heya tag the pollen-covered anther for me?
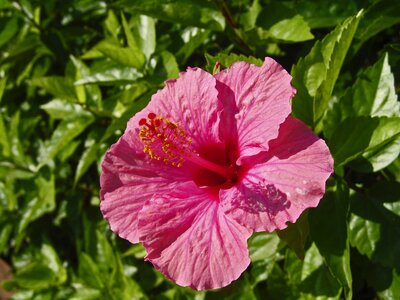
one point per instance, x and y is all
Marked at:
(164, 140)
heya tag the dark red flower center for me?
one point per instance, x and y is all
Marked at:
(212, 165)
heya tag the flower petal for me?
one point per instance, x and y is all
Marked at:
(258, 98)
(285, 181)
(191, 101)
(128, 179)
(189, 239)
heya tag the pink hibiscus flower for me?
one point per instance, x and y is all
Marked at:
(210, 160)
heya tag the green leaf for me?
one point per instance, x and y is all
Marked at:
(325, 13)
(68, 151)
(291, 30)
(4, 139)
(314, 76)
(374, 142)
(239, 289)
(308, 279)
(373, 94)
(23, 47)
(89, 272)
(65, 132)
(132, 42)
(142, 34)
(12, 171)
(329, 231)
(249, 18)
(194, 12)
(120, 122)
(3, 85)
(296, 234)
(35, 276)
(316, 280)
(113, 75)
(89, 156)
(5, 235)
(62, 109)
(393, 292)
(379, 16)
(17, 150)
(42, 203)
(226, 60)
(112, 25)
(261, 270)
(137, 250)
(128, 56)
(281, 284)
(60, 87)
(5, 4)
(105, 253)
(193, 38)
(263, 246)
(393, 170)
(8, 31)
(280, 22)
(91, 94)
(85, 293)
(53, 262)
(7, 197)
(166, 68)
(374, 230)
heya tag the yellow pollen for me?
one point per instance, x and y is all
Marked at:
(164, 140)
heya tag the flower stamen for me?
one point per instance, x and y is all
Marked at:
(165, 141)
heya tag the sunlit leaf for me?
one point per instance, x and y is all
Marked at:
(166, 67)
(316, 279)
(299, 30)
(374, 230)
(42, 203)
(89, 272)
(3, 84)
(248, 19)
(125, 56)
(263, 246)
(58, 86)
(8, 31)
(35, 276)
(374, 142)
(52, 260)
(373, 94)
(315, 75)
(309, 279)
(194, 13)
(88, 158)
(65, 132)
(4, 139)
(91, 94)
(228, 59)
(17, 150)
(142, 35)
(193, 38)
(61, 109)
(114, 75)
(329, 230)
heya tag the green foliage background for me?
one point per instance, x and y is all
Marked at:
(73, 72)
